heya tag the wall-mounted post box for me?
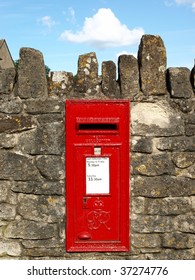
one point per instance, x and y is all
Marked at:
(97, 175)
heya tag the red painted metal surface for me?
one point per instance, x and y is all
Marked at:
(97, 175)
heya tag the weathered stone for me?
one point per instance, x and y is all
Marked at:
(190, 129)
(51, 167)
(41, 208)
(193, 202)
(128, 73)
(32, 81)
(138, 205)
(46, 139)
(184, 105)
(29, 230)
(167, 206)
(17, 167)
(46, 188)
(50, 118)
(152, 62)
(183, 159)
(152, 165)
(8, 141)
(13, 106)
(187, 172)
(190, 125)
(4, 190)
(61, 83)
(54, 243)
(7, 80)
(87, 75)
(162, 186)
(146, 240)
(16, 123)
(178, 240)
(169, 254)
(176, 144)
(42, 252)
(109, 78)
(141, 145)
(151, 224)
(7, 212)
(155, 119)
(6, 195)
(10, 248)
(48, 106)
(179, 82)
(185, 223)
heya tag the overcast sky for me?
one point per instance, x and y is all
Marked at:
(62, 30)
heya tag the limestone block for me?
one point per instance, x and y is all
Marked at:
(46, 139)
(152, 62)
(7, 212)
(48, 106)
(138, 205)
(13, 106)
(190, 125)
(178, 240)
(146, 240)
(162, 186)
(10, 248)
(61, 83)
(179, 82)
(190, 129)
(6, 194)
(29, 230)
(152, 165)
(44, 188)
(32, 81)
(128, 73)
(176, 144)
(155, 119)
(170, 254)
(8, 141)
(17, 167)
(16, 123)
(183, 159)
(141, 144)
(41, 208)
(185, 223)
(184, 105)
(56, 252)
(167, 206)
(51, 167)
(109, 85)
(7, 80)
(87, 74)
(151, 224)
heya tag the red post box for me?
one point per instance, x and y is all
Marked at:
(97, 175)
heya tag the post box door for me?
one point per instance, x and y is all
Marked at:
(97, 201)
(97, 186)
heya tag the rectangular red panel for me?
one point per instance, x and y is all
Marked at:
(97, 175)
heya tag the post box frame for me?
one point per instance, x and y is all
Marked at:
(86, 130)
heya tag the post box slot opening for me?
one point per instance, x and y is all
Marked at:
(98, 126)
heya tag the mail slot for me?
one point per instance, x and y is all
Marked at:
(97, 175)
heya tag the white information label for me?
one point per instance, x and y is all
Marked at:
(97, 175)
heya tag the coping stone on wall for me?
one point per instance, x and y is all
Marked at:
(152, 63)
(32, 81)
(128, 73)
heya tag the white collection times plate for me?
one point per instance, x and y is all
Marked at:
(97, 175)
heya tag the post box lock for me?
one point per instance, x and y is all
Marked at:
(97, 175)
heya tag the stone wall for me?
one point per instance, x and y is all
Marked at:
(32, 153)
